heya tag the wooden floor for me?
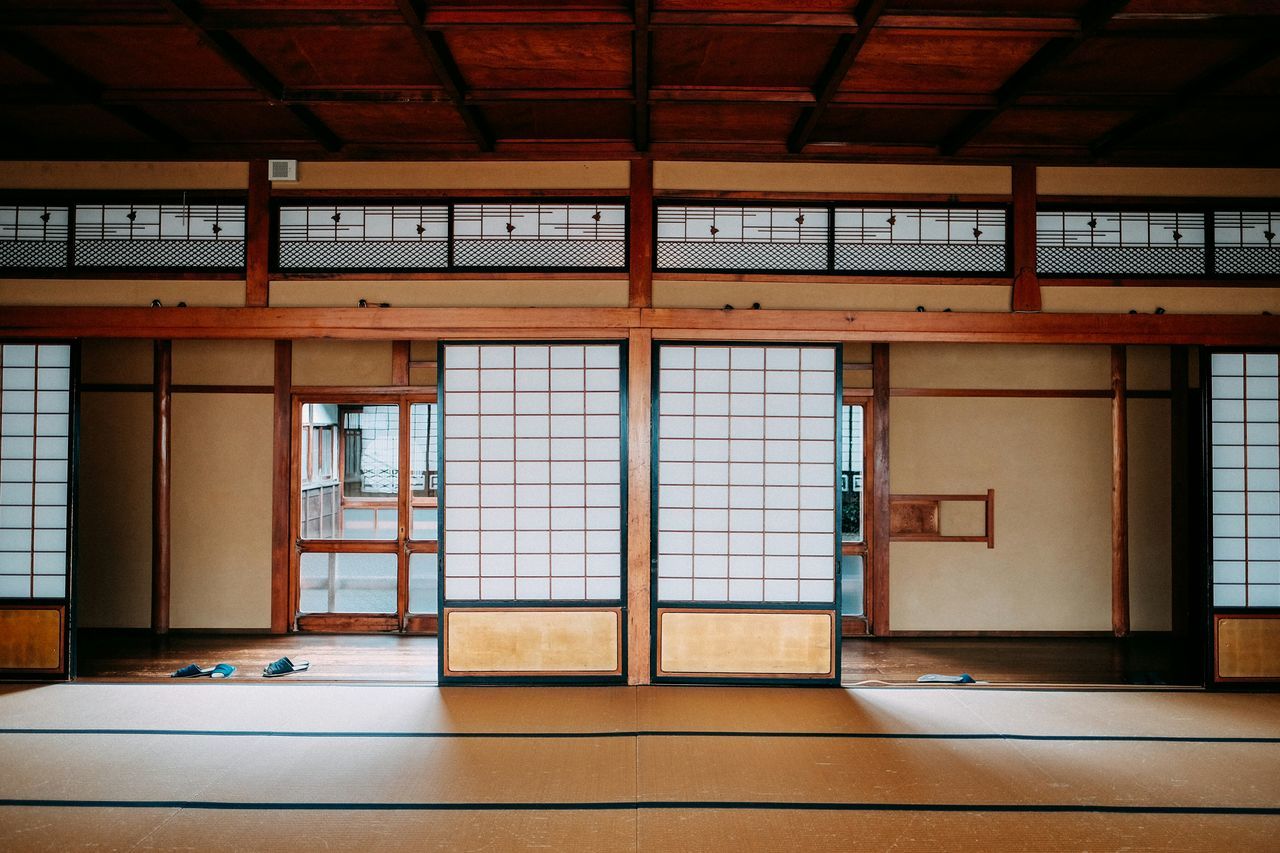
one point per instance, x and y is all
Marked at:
(400, 767)
(131, 655)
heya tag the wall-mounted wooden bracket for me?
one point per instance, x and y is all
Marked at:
(918, 518)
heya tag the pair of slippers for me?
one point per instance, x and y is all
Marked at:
(275, 669)
(191, 670)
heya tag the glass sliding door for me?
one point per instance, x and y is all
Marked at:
(747, 515)
(365, 512)
(532, 546)
(37, 420)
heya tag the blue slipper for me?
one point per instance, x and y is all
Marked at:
(284, 666)
(222, 670)
(192, 670)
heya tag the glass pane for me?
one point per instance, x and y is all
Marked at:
(851, 468)
(424, 472)
(425, 523)
(348, 583)
(851, 580)
(424, 583)
(349, 469)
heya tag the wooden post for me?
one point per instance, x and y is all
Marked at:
(640, 247)
(639, 460)
(282, 432)
(1119, 492)
(161, 482)
(400, 363)
(1180, 483)
(878, 618)
(1026, 284)
(257, 232)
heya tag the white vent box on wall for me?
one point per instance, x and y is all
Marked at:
(282, 170)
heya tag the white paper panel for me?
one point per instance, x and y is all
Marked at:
(1246, 479)
(35, 447)
(747, 473)
(532, 478)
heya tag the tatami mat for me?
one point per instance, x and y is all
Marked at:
(187, 766)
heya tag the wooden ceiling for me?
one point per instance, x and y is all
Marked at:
(1145, 81)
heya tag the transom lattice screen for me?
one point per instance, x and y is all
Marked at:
(1245, 479)
(1245, 242)
(747, 474)
(829, 238)
(197, 236)
(488, 235)
(532, 472)
(35, 454)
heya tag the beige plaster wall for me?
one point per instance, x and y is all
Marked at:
(113, 583)
(221, 506)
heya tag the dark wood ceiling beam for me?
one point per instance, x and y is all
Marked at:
(842, 58)
(254, 73)
(76, 84)
(641, 55)
(1093, 18)
(1191, 94)
(436, 51)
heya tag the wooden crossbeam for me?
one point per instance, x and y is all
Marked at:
(253, 72)
(833, 76)
(1093, 19)
(1220, 76)
(436, 51)
(83, 88)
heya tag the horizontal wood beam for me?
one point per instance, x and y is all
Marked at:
(667, 323)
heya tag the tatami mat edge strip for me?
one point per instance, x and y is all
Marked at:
(650, 805)
(643, 733)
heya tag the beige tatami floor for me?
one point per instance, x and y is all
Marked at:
(309, 766)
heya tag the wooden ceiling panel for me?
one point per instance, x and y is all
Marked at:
(542, 57)
(790, 6)
(121, 57)
(364, 123)
(1263, 83)
(1108, 64)
(936, 61)
(673, 122)
(570, 120)
(348, 57)
(988, 8)
(79, 125)
(1246, 134)
(229, 121)
(708, 56)
(1203, 8)
(1037, 128)
(307, 5)
(890, 126)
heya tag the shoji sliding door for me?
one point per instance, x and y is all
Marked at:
(36, 485)
(746, 521)
(1244, 515)
(532, 511)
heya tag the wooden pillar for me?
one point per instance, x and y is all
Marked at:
(878, 618)
(1119, 492)
(161, 482)
(400, 363)
(639, 498)
(257, 232)
(281, 456)
(640, 247)
(1026, 284)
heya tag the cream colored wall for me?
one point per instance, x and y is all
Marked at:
(123, 175)
(530, 293)
(465, 175)
(1132, 181)
(121, 292)
(355, 363)
(830, 295)
(1150, 522)
(221, 511)
(113, 575)
(832, 177)
(1049, 460)
(999, 366)
(224, 363)
(221, 498)
(1145, 300)
(1050, 464)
